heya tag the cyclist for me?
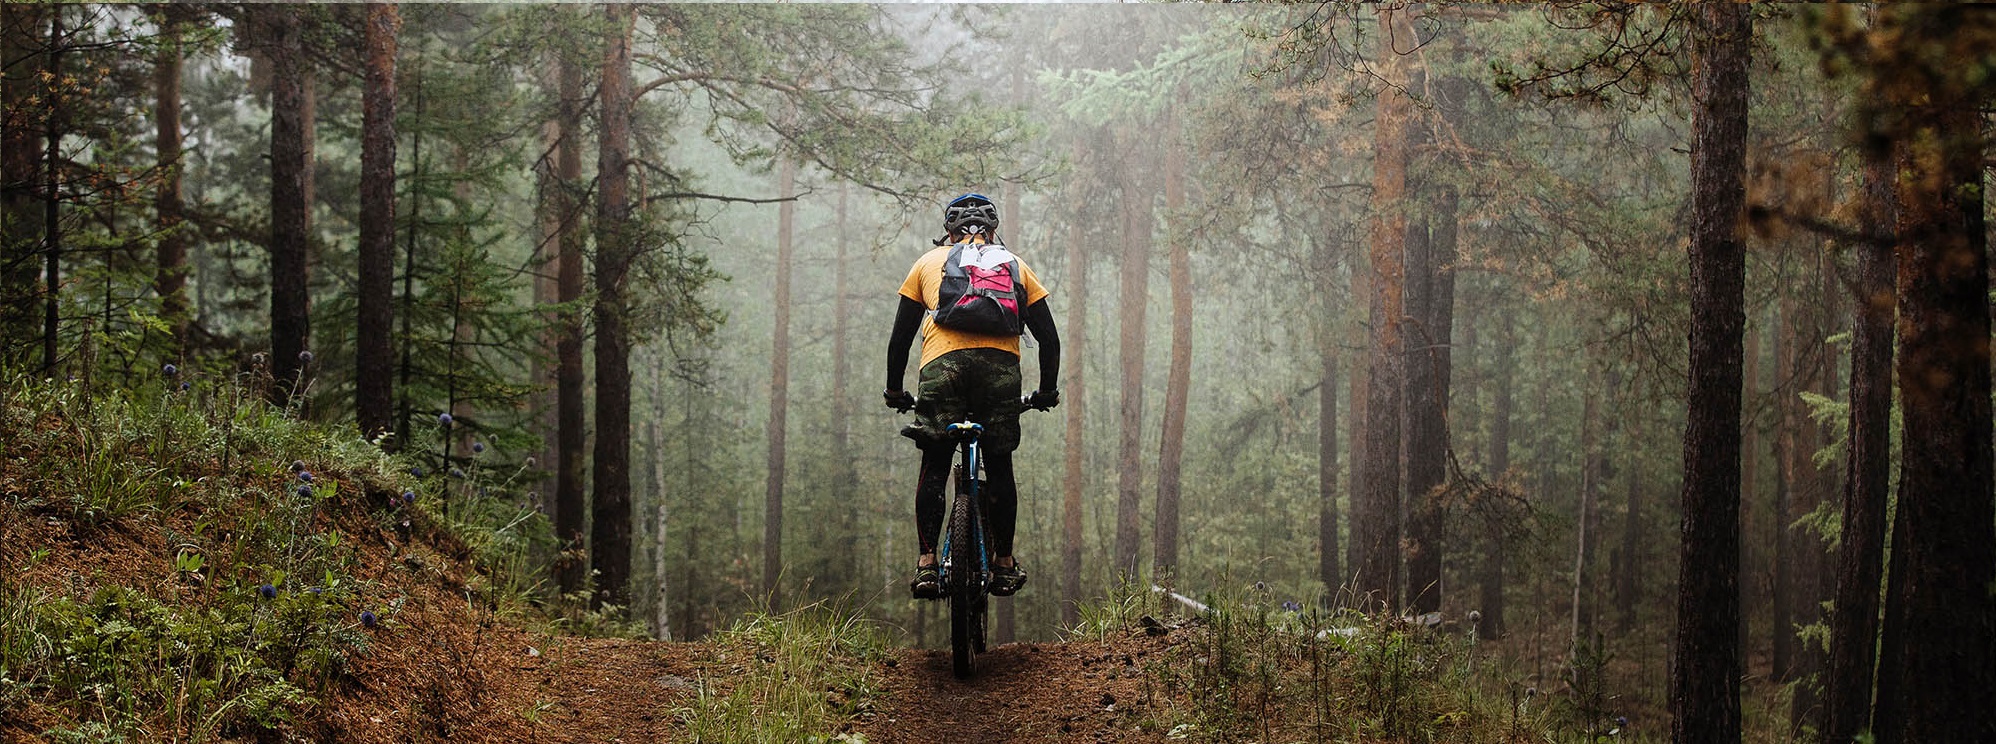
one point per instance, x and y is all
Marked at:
(968, 376)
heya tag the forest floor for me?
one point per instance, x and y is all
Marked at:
(449, 666)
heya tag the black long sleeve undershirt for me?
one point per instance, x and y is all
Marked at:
(908, 321)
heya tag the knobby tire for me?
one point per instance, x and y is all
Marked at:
(966, 621)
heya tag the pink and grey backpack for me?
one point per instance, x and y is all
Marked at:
(980, 292)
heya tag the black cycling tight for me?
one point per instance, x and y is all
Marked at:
(1001, 498)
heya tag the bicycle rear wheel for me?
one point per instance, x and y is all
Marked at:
(966, 587)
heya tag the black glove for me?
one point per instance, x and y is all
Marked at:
(1044, 400)
(899, 400)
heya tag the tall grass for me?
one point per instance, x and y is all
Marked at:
(803, 675)
(255, 605)
(1251, 668)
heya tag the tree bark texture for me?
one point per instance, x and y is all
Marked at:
(1178, 378)
(1428, 403)
(20, 168)
(373, 350)
(610, 525)
(571, 501)
(170, 280)
(1705, 673)
(1868, 467)
(1133, 300)
(291, 121)
(1378, 573)
(1074, 478)
(1004, 609)
(779, 383)
(1491, 574)
(1328, 543)
(1937, 676)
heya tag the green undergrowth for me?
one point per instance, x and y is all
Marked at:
(212, 586)
(1250, 669)
(801, 676)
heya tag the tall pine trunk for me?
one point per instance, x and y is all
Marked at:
(1074, 479)
(1490, 576)
(571, 502)
(1134, 299)
(1705, 673)
(1428, 403)
(20, 168)
(373, 351)
(1937, 675)
(1868, 466)
(1178, 378)
(1378, 573)
(779, 383)
(170, 282)
(610, 523)
(1328, 544)
(291, 121)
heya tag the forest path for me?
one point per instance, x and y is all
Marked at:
(600, 690)
(1076, 691)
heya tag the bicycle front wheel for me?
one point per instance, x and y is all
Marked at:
(966, 587)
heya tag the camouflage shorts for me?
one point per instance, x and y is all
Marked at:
(980, 385)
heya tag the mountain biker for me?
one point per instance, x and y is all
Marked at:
(968, 376)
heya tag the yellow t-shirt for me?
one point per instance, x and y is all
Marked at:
(925, 283)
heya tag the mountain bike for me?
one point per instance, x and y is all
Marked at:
(965, 554)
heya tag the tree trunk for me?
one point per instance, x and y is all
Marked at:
(610, 523)
(779, 383)
(373, 352)
(170, 283)
(291, 120)
(1074, 479)
(1004, 610)
(1492, 574)
(51, 202)
(20, 168)
(1628, 590)
(1937, 675)
(1358, 384)
(1178, 379)
(1705, 673)
(1134, 297)
(571, 503)
(1378, 572)
(1587, 518)
(845, 488)
(1428, 405)
(1868, 473)
(1327, 429)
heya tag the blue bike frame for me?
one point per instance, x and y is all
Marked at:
(968, 434)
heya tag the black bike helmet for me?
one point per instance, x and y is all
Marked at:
(970, 214)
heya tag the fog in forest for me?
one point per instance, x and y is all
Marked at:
(1413, 310)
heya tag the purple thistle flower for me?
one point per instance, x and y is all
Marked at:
(456, 473)
(305, 489)
(305, 357)
(418, 472)
(408, 497)
(297, 465)
(443, 419)
(477, 446)
(170, 370)
(305, 475)
(314, 590)
(367, 618)
(1622, 721)
(267, 591)
(1292, 605)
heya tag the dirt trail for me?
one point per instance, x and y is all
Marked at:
(1065, 692)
